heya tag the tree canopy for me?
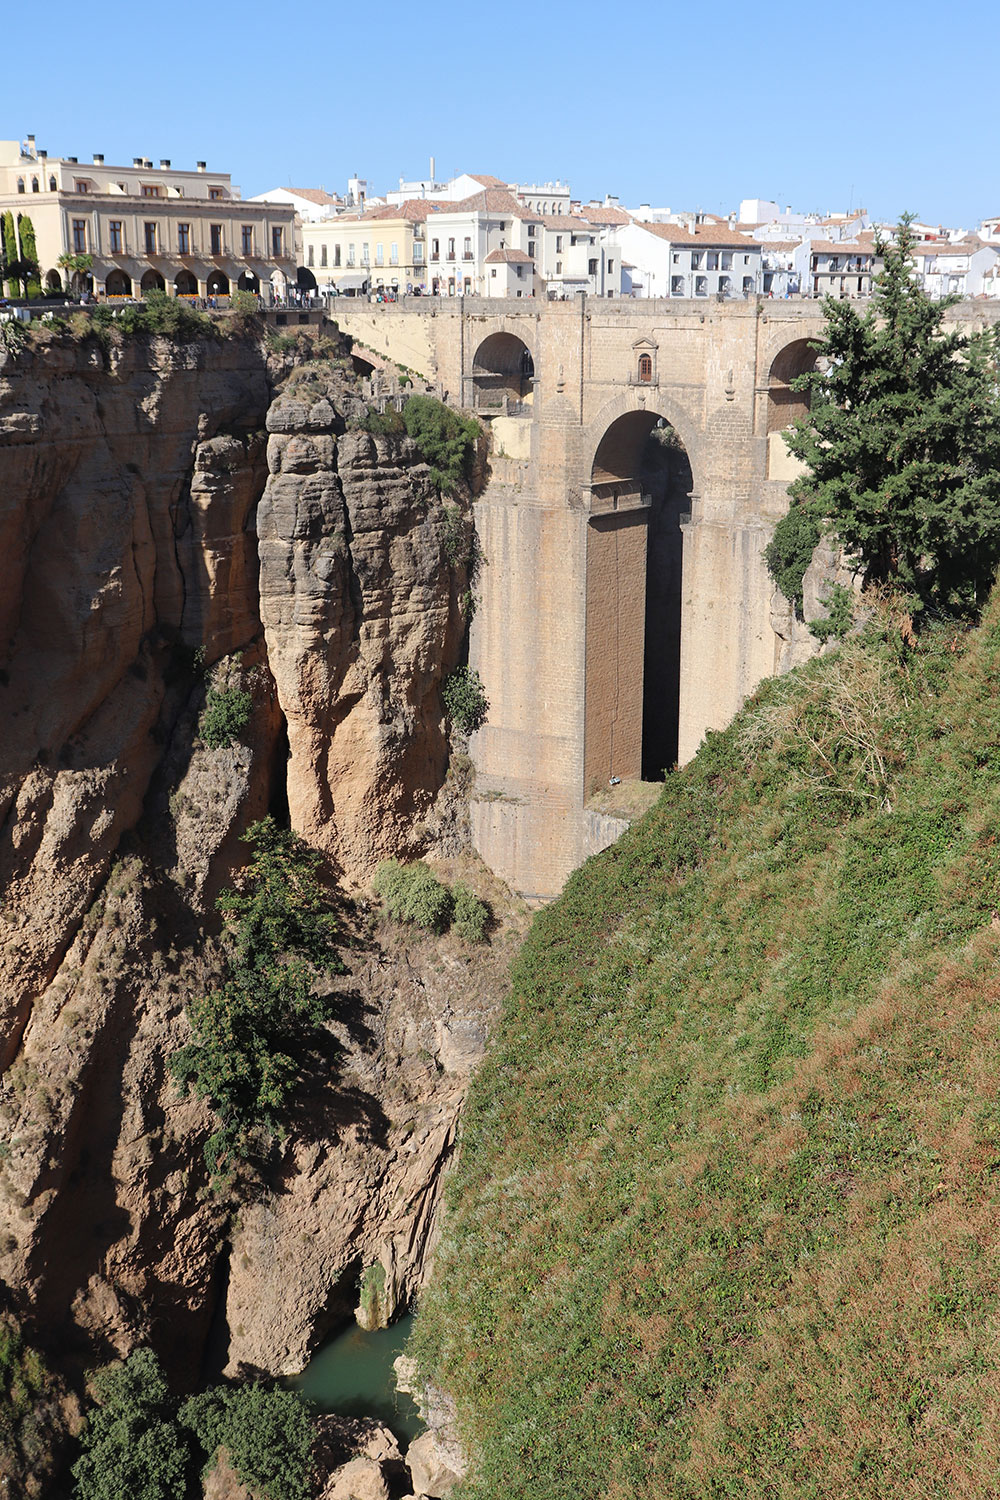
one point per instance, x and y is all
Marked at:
(901, 447)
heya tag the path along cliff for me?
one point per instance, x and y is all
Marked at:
(178, 516)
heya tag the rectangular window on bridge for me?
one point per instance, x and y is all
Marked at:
(115, 233)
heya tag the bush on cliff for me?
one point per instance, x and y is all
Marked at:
(158, 313)
(225, 715)
(447, 441)
(267, 1434)
(253, 1037)
(131, 1443)
(410, 893)
(465, 700)
(723, 1221)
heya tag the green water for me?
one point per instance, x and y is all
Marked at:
(352, 1375)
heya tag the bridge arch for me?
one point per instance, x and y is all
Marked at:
(638, 497)
(785, 405)
(503, 372)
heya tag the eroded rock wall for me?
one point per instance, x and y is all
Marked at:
(164, 507)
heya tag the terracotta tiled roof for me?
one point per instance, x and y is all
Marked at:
(705, 234)
(494, 201)
(565, 221)
(314, 195)
(486, 180)
(944, 249)
(841, 247)
(509, 258)
(781, 244)
(602, 215)
(417, 209)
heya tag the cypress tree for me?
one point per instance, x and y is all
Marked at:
(901, 447)
(10, 253)
(29, 255)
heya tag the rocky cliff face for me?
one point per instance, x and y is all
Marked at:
(161, 506)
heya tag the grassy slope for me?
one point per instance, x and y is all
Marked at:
(727, 1217)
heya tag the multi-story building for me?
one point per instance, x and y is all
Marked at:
(841, 269)
(575, 255)
(384, 248)
(702, 260)
(462, 239)
(955, 270)
(145, 227)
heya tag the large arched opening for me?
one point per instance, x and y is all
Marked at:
(218, 284)
(305, 280)
(118, 284)
(249, 282)
(503, 374)
(53, 281)
(152, 281)
(186, 284)
(640, 493)
(786, 405)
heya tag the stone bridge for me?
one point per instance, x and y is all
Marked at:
(637, 472)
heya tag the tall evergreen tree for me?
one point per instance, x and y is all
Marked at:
(29, 256)
(10, 253)
(901, 447)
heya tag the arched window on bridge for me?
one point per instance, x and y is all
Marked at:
(786, 405)
(503, 374)
(645, 368)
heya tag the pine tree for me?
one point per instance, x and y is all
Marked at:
(901, 446)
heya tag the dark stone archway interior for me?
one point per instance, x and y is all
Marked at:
(641, 453)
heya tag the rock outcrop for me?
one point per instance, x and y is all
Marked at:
(133, 485)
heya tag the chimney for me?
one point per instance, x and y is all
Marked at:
(690, 226)
(137, 161)
(98, 158)
(42, 155)
(148, 162)
(73, 159)
(164, 163)
(31, 145)
(200, 166)
(432, 169)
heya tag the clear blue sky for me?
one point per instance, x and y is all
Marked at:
(890, 105)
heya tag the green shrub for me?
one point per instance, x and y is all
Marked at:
(267, 1433)
(159, 314)
(131, 1443)
(388, 423)
(472, 916)
(446, 440)
(410, 893)
(465, 700)
(244, 303)
(253, 1036)
(226, 713)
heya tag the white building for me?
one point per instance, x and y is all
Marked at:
(703, 260)
(309, 203)
(462, 237)
(947, 270)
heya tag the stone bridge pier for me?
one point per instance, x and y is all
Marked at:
(637, 471)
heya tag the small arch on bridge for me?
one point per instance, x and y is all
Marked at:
(639, 495)
(503, 374)
(785, 405)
